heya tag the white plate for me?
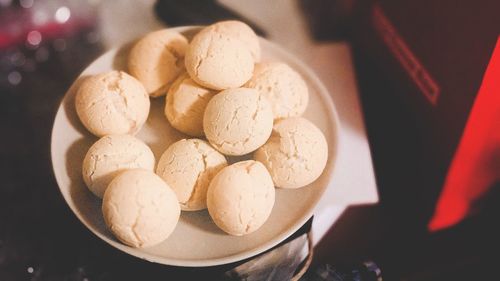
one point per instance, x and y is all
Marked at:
(196, 241)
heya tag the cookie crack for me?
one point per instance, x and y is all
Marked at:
(202, 58)
(120, 98)
(240, 211)
(133, 228)
(95, 159)
(195, 189)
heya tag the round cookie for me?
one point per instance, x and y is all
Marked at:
(111, 155)
(242, 32)
(282, 86)
(238, 121)
(112, 103)
(157, 59)
(218, 61)
(240, 197)
(188, 166)
(140, 208)
(185, 105)
(295, 154)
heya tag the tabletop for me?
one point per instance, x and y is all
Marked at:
(40, 239)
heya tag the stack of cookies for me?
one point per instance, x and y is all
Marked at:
(228, 104)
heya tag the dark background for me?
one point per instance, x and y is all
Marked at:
(40, 239)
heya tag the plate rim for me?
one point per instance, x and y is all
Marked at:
(327, 101)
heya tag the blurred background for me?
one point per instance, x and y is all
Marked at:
(422, 76)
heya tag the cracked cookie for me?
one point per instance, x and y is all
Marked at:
(157, 59)
(111, 155)
(188, 166)
(238, 121)
(295, 154)
(112, 103)
(140, 208)
(241, 197)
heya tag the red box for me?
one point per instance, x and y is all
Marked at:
(429, 74)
